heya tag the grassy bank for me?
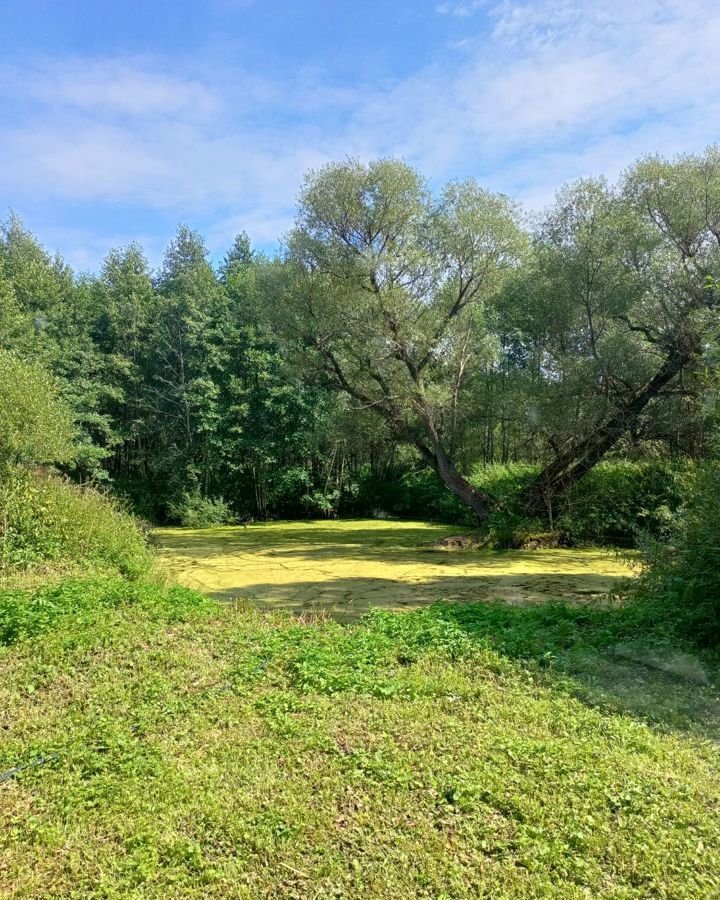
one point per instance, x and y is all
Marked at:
(192, 750)
(49, 525)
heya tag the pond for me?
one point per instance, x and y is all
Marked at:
(343, 568)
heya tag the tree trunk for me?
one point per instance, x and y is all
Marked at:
(438, 458)
(571, 464)
(459, 486)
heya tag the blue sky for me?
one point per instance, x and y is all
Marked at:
(118, 120)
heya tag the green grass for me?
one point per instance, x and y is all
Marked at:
(49, 525)
(201, 751)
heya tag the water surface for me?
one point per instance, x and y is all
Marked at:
(343, 568)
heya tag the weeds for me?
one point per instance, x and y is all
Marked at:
(45, 520)
(197, 751)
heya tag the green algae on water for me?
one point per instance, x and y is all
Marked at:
(343, 568)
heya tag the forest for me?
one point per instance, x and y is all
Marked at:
(382, 566)
(404, 340)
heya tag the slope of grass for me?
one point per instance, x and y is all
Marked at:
(189, 750)
(49, 525)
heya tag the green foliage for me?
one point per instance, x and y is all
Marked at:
(681, 582)
(196, 511)
(47, 520)
(423, 495)
(504, 483)
(55, 333)
(35, 425)
(286, 489)
(397, 317)
(370, 659)
(176, 748)
(619, 501)
(509, 522)
(371, 249)
(78, 603)
(322, 502)
(616, 503)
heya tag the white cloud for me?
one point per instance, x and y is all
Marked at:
(564, 79)
(111, 87)
(84, 248)
(540, 92)
(459, 7)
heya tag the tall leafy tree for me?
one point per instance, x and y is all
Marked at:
(388, 292)
(183, 396)
(47, 295)
(628, 306)
(124, 304)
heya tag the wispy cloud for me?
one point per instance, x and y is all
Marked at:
(459, 7)
(538, 93)
(564, 79)
(116, 87)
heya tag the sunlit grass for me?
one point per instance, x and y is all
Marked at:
(196, 750)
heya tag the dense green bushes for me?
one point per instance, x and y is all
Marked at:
(36, 426)
(46, 520)
(196, 511)
(408, 493)
(681, 581)
(615, 503)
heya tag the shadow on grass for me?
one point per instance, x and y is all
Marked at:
(602, 654)
(598, 654)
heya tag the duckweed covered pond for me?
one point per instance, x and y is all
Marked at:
(343, 568)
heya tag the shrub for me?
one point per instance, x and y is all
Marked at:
(409, 493)
(45, 519)
(424, 496)
(504, 482)
(196, 511)
(37, 425)
(287, 489)
(323, 502)
(614, 503)
(618, 500)
(508, 525)
(680, 585)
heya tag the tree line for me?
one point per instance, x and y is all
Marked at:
(400, 327)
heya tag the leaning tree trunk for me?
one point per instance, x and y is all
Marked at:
(461, 487)
(438, 457)
(578, 458)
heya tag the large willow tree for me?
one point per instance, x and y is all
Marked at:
(387, 296)
(620, 308)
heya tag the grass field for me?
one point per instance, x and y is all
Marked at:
(166, 746)
(344, 568)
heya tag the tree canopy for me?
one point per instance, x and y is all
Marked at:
(401, 327)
